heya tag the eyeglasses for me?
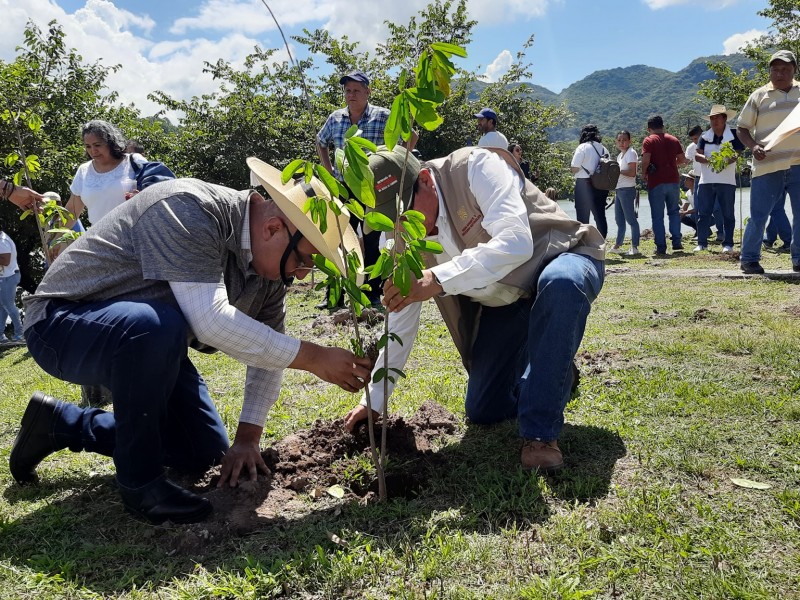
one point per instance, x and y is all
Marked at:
(294, 239)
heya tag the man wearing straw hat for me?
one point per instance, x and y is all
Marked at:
(514, 284)
(188, 264)
(716, 187)
(775, 172)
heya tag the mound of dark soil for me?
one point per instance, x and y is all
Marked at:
(319, 469)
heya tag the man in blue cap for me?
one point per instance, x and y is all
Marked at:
(371, 121)
(487, 125)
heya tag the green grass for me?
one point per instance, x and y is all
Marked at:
(687, 382)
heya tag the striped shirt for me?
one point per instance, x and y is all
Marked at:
(370, 125)
(764, 110)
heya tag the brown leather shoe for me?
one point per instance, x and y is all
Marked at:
(541, 456)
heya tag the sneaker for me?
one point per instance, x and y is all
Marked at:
(541, 456)
(796, 267)
(700, 248)
(727, 249)
(18, 339)
(4, 340)
(634, 251)
(661, 252)
(767, 243)
(677, 247)
(752, 268)
(617, 250)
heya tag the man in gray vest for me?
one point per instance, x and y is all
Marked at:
(187, 264)
(514, 285)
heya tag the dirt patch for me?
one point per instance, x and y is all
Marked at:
(319, 469)
(793, 310)
(700, 314)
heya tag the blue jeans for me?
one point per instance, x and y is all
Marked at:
(589, 200)
(709, 196)
(778, 225)
(765, 192)
(543, 334)
(665, 196)
(163, 414)
(624, 211)
(8, 303)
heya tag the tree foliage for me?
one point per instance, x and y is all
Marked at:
(49, 83)
(732, 87)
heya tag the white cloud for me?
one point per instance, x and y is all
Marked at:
(214, 29)
(252, 17)
(498, 67)
(735, 43)
(707, 5)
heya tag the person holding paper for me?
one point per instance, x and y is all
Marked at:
(776, 168)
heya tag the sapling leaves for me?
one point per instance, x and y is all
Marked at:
(384, 339)
(414, 228)
(329, 181)
(293, 167)
(449, 49)
(378, 221)
(325, 265)
(402, 275)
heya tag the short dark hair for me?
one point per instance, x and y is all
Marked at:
(590, 133)
(655, 122)
(696, 130)
(108, 133)
(134, 146)
(626, 133)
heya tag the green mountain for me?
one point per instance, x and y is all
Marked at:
(624, 98)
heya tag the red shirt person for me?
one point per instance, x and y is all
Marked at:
(661, 155)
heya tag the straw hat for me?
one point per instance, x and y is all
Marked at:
(292, 196)
(719, 109)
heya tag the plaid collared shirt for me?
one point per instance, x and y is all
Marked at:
(371, 126)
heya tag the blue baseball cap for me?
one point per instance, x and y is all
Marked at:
(486, 113)
(357, 76)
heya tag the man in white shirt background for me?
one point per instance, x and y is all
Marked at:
(487, 125)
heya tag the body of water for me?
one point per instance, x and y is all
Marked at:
(742, 207)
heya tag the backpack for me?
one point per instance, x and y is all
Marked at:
(149, 172)
(606, 174)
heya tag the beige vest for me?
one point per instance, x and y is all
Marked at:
(553, 233)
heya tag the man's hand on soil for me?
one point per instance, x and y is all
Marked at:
(355, 416)
(243, 456)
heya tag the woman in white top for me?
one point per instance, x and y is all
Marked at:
(105, 181)
(9, 280)
(624, 209)
(584, 163)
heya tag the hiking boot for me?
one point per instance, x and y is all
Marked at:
(541, 456)
(752, 268)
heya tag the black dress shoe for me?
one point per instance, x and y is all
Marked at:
(35, 440)
(163, 500)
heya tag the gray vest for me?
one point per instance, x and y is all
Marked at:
(553, 233)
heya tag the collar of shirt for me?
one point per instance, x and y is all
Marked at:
(363, 116)
(771, 87)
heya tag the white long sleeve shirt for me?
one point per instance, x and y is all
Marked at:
(216, 323)
(475, 272)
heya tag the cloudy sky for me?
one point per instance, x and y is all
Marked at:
(162, 44)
